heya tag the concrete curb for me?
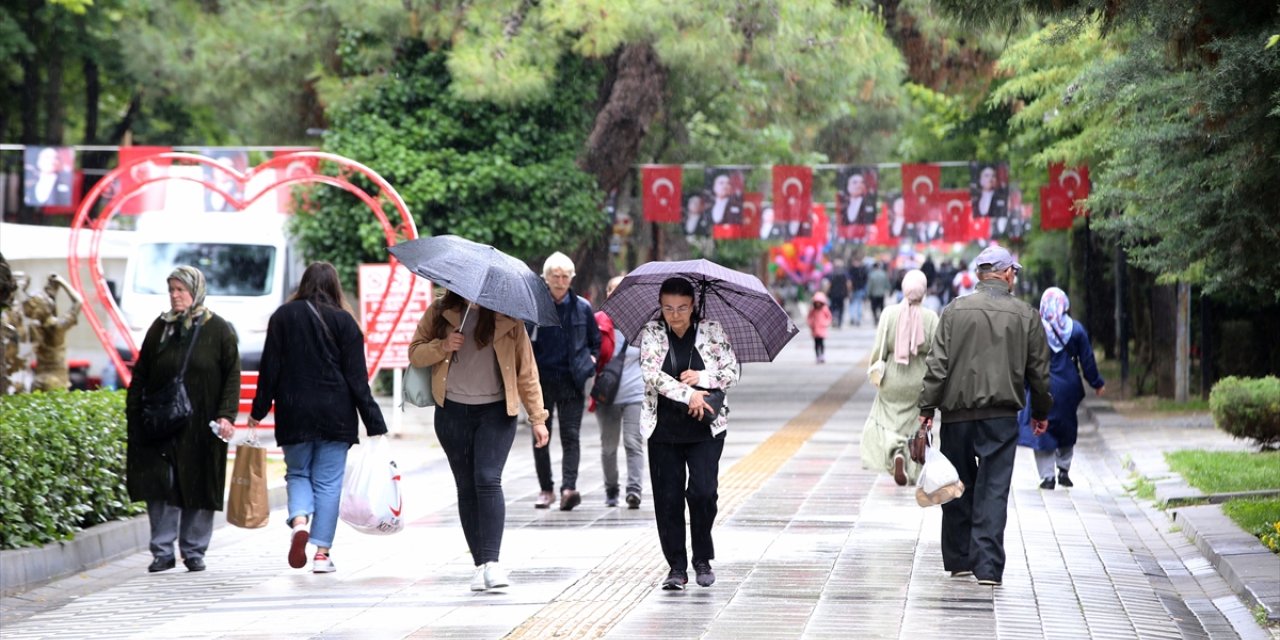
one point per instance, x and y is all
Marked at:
(25, 569)
(1242, 561)
(1249, 567)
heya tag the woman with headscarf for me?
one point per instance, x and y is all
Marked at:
(314, 372)
(183, 478)
(903, 339)
(1071, 355)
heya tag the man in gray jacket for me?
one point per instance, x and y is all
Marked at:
(989, 348)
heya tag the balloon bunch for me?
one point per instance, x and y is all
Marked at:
(803, 265)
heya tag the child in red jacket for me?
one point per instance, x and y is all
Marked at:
(819, 322)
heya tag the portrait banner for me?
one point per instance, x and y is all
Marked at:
(856, 189)
(725, 186)
(661, 199)
(150, 197)
(693, 219)
(989, 189)
(919, 183)
(792, 192)
(49, 178)
(233, 159)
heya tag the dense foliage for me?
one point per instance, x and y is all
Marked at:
(495, 174)
(62, 465)
(1248, 408)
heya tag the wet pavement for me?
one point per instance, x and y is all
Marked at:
(808, 545)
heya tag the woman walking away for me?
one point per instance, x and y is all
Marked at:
(903, 338)
(1071, 354)
(819, 323)
(482, 369)
(183, 478)
(682, 359)
(314, 371)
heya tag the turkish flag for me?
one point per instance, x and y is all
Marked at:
(878, 233)
(1073, 182)
(919, 183)
(661, 193)
(792, 192)
(956, 211)
(752, 204)
(295, 168)
(1055, 208)
(151, 196)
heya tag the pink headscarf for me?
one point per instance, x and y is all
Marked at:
(910, 323)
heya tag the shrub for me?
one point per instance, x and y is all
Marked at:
(1248, 408)
(62, 465)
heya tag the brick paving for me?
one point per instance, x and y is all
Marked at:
(809, 545)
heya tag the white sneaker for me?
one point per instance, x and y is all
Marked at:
(322, 564)
(495, 577)
(478, 580)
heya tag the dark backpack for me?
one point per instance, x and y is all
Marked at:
(605, 389)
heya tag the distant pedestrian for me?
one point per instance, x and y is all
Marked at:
(988, 348)
(1072, 354)
(682, 358)
(964, 282)
(877, 289)
(858, 292)
(838, 290)
(566, 357)
(819, 321)
(620, 419)
(314, 372)
(905, 336)
(482, 370)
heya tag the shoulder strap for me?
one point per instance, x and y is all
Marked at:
(190, 347)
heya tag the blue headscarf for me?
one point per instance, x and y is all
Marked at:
(1053, 314)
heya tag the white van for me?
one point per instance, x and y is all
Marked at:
(247, 259)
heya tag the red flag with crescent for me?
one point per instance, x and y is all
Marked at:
(661, 193)
(792, 192)
(1074, 182)
(919, 183)
(878, 233)
(1055, 208)
(956, 211)
(296, 168)
(752, 203)
(151, 197)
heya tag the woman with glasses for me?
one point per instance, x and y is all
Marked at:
(687, 364)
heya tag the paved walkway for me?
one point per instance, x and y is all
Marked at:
(809, 545)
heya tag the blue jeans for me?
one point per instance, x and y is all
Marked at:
(855, 306)
(313, 478)
(476, 439)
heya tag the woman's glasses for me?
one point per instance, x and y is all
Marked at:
(681, 310)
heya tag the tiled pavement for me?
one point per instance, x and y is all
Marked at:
(809, 545)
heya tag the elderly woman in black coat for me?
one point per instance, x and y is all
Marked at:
(183, 478)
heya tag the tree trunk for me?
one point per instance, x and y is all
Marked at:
(30, 83)
(54, 110)
(92, 89)
(1164, 319)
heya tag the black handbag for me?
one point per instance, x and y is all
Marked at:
(605, 389)
(715, 400)
(168, 410)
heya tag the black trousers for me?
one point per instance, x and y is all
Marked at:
(570, 403)
(670, 466)
(973, 524)
(877, 306)
(837, 312)
(477, 439)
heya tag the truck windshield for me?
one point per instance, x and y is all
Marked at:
(229, 269)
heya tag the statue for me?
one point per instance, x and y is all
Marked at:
(9, 324)
(48, 331)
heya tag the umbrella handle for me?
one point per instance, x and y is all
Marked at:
(466, 313)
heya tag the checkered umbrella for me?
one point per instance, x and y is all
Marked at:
(481, 274)
(757, 327)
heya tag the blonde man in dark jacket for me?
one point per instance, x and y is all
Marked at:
(989, 348)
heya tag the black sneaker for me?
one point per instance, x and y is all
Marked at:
(1064, 479)
(194, 564)
(1047, 483)
(633, 501)
(161, 564)
(706, 577)
(676, 580)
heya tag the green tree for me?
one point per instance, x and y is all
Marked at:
(498, 175)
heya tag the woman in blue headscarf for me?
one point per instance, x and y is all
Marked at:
(1072, 354)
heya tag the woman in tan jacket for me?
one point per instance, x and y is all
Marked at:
(482, 367)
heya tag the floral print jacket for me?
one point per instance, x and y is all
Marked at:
(720, 372)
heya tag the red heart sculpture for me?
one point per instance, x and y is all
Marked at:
(285, 163)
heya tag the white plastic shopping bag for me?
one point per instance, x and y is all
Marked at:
(371, 500)
(939, 482)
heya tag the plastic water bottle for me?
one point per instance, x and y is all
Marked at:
(217, 430)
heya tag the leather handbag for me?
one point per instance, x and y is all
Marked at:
(715, 400)
(167, 411)
(605, 388)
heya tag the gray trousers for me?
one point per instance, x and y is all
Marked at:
(1047, 460)
(621, 420)
(192, 528)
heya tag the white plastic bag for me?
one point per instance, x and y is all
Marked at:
(371, 500)
(939, 482)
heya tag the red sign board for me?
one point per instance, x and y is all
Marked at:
(381, 331)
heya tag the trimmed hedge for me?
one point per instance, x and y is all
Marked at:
(1248, 408)
(62, 465)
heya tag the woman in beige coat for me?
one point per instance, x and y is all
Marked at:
(482, 367)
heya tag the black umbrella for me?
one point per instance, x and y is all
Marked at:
(756, 326)
(481, 274)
